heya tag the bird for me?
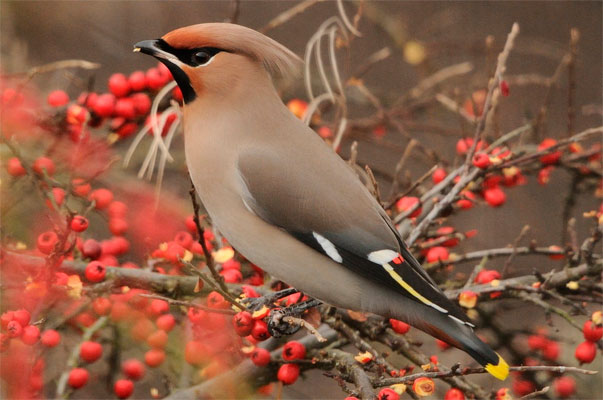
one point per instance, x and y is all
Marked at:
(283, 198)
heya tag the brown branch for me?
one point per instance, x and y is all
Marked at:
(221, 386)
(509, 260)
(469, 371)
(501, 67)
(346, 363)
(208, 257)
(188, 304)
(288, 14)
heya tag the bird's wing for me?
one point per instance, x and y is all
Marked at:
(333, 213)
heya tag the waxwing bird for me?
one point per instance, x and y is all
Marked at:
(287, 201)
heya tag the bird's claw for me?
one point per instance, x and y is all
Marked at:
(256, 303)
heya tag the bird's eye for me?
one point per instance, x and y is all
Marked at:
(201, 57)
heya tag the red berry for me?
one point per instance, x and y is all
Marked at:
(216, 300)
(22, 316)
(57, 98)
(157, 339)
(243, 323)
(101, 197)
(523, 387)
(260, 330)
(293, 350)
(166, 322)
(232, 275)
(504, 88)
(184, 239)
(481, 160)
(565, 386)
(78, 377)
(56, 194)
(117, 209)
(177, 94)
(50, 338)
(159, 307)
(6, 318)
(80, 187)
(463, 145)
(551, 350)
(154, 357)
(387, 394)
(437, 253)
(592, 332)
(104, 105)
(137, 81)
(442, 345)
(438, 175)
(91, 249)
(46, 242)
(102, 306)
(155, 80)
(14, 167)
(454, 394)
(487, 276)
(195, 352)
(495, 197)
(31, 334)
(95, 272)
(537, 342)
(133, 369)
(44, 165)
(123, 388)
(118, 85)
(14, 329)
(118, 226)
(125, 108)
(91, 351)
(288, 373)
(142, 103)
(586, 352)
(550, 158)
(466, 201)
(399, 326)
(79, 223)
(409, 202)
(196, 315)
(76, 116)
(260, 357)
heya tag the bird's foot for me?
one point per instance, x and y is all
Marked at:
(256, 303)
(278, 323)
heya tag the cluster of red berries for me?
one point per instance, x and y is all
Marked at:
(593, 332)
(125, 106)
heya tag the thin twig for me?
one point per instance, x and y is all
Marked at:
(305, 324)
(516, 242)
(501, 67)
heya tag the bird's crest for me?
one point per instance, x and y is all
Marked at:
(279, 61)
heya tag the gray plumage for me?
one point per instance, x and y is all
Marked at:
(284, 199)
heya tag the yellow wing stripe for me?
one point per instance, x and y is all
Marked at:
(500, 370)
(410, 289)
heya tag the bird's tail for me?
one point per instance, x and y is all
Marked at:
(462, 337)
(483, 354)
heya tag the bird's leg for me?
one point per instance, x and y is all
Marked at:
(278, 325)
(256, 303)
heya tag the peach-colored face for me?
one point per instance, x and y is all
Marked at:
(223, 71)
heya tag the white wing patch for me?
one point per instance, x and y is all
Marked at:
(461, 321)
(382, 256)
(328, 247)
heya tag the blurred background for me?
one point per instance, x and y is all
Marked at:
(39, 32)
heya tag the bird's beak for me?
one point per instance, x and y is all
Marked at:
(153, 48)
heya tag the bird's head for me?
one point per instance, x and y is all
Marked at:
(214, 58)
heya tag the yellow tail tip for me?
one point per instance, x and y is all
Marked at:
(500, 370)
